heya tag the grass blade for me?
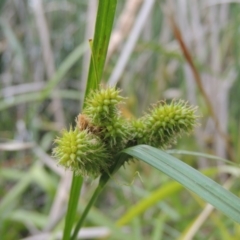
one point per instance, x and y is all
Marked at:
(199, 154)
(103, 28)
(143, 205)
(37, 96)
(71, 59)
(190, 178)
(158, 195)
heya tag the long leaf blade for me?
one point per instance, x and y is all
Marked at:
(190, 178)
(103, 28)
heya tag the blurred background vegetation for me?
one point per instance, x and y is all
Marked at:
(159, 50)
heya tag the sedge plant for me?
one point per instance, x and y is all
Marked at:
(103, 140)
(101, 132)
(92, 147)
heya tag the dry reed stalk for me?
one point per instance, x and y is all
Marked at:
(199, 82)
(131, 42)
(124, 25)
(44, 35)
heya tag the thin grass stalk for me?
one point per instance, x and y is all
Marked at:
(95, 195)
(72, 205)
(103, 28)
(102, 182)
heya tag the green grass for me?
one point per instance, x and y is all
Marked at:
(139, 201)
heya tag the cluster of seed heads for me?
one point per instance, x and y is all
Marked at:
(102, 132)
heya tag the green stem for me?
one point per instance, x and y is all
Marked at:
(93, 60)
(103, 28)
(72, 205)
(86, 210)
(120, 159)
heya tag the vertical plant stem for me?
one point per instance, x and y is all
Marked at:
(72, 205)
(86, 210)
(102, 182)
(103, 28)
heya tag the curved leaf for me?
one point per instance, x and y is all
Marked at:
(190, 178)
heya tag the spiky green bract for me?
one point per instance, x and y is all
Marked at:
(102, 105)
(166, 122)
(82, 152)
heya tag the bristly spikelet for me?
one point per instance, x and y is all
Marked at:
(102, 105)
(138, 131)
(166, 122)
(81, 152)
(115, 133)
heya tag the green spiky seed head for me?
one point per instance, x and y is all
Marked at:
(163, 124)
(115, 133)
(101, 132)
(102, 105)
(138, 131)
(166, 122)
(81, 152)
